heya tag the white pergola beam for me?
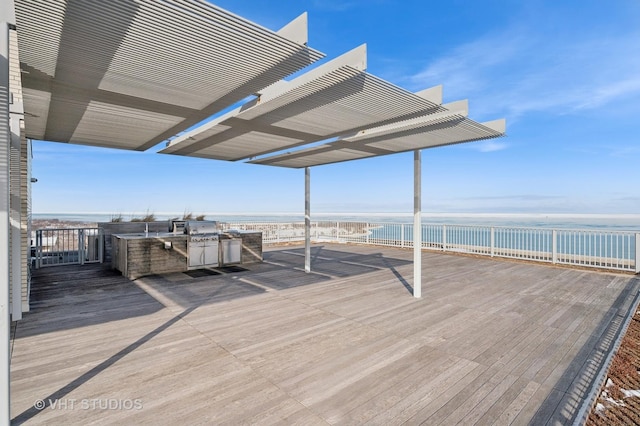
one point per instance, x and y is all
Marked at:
(296, 30)
(497, 125)
(355, 58)
(432, 94)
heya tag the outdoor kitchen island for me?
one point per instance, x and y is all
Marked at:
(147, 253)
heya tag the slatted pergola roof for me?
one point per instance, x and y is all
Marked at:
(333, 99)
(130, 74)
(445, 128)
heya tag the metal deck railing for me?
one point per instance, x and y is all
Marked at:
(616, 250)
(67, 246)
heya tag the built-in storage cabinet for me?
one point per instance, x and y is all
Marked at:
(203, 253)
(231, 251)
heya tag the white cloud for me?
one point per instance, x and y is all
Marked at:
(490, 146)
(624, 151)
(463, 70)
(536, 203)
(609, 92)
(518, 71)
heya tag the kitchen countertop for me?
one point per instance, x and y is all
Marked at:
(140, 235)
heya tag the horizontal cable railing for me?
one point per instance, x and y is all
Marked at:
(592, 248)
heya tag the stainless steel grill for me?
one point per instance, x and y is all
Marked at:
(203, 245)
(201, 231)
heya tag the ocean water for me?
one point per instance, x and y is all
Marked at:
(627, 222)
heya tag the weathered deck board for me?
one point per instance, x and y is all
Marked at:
(490, 342)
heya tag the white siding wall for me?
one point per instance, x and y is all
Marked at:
(25, 174)
(20, 208)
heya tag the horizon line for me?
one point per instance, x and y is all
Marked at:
(434, 214)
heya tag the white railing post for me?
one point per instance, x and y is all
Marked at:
(493, 241)
(38, 246)
(444, 237)
(338, 231)
(81, 246)
(402, 235)
(100, 245)
(366, 229)
(637, 250)
(554, 246)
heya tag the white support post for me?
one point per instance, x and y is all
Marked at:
(444, 237)
(493, 241)
(554, 246)
(6, 15)
(638, 252)
(81, 246)
(417, 224)
(101, 245)
(38, 248)
(307, 219)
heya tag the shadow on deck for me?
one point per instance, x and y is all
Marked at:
(282, 269)
(82, 296)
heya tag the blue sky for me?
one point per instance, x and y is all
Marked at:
(565, 75)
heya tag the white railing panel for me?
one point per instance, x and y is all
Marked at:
(599, 249)
(67, 246)
(468, 239)
(523, 243)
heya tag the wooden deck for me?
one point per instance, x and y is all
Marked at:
(490, 342)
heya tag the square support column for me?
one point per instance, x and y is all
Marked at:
(417, 224)
(307, 219)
